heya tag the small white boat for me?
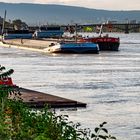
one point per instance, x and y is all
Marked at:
(74, 47)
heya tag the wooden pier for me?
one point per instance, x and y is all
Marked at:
(37, 99)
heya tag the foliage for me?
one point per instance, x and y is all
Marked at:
(2, 68)
(19, 122)
(102, 133)
(6, 74)
(19, 24)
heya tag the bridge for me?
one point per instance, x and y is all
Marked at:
(111, 27)
(122, 27)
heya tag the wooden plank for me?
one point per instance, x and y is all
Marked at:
(38, 100)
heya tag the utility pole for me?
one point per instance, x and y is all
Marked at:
(76, 33)
(3, 25)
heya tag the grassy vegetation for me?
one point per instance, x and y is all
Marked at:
(19, 122)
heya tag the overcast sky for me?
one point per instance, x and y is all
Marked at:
(95, 4)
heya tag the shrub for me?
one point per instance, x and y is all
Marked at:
(19, 122)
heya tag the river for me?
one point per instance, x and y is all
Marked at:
(109, 82)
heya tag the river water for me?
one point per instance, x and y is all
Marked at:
(108, 82)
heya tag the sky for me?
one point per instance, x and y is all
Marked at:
(94, 4)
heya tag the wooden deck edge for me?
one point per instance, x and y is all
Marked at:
(51, 101)
(55, 105)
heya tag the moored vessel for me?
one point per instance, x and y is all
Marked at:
(48, 32)
(73, 47)
(105, 43)
(15, 34)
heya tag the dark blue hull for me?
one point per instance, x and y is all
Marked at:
(80, 48)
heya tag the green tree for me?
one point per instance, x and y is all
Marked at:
(19, 24)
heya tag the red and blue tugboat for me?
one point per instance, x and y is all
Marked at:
(105, 43)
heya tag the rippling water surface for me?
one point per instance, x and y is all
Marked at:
(108, 82)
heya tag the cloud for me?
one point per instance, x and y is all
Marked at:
(98, 4)
(56, 1)
(51, 1)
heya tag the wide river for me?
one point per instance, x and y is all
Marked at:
(109, 82)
